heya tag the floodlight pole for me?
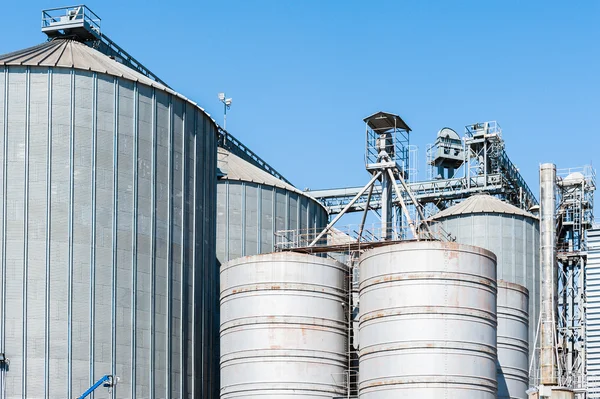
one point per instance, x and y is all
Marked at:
(226, 105)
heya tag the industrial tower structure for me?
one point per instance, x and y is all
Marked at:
(574, 217)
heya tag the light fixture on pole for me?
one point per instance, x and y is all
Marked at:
(226, 105)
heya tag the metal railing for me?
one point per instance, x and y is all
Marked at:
(349, 235)
(236, 147)
(59, 15)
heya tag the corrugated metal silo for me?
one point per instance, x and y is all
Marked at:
(108, 198)
(253, 205)
(427, 323)
(511, 233)
(283, 327)
(513, 347)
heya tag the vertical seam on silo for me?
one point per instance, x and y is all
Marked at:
(48, 235)
(115, 200)
(226, 220)
(273, 217)
(182, 262)
(194, 217)
(70, 238)
(93, 225)
(168, 340)
(153, 250)
(26, 230)
(243, 221)
(287, 211)
(259, 217)
(4, 211)
(134, 246)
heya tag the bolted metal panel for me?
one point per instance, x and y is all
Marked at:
(427, 324)
(250, 213)
(549, 271)
(514, 238)
(108, 234)
(513, 323)
(283, 329)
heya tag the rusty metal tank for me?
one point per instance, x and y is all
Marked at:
(427, 325)
(513, 347)
(283, 327)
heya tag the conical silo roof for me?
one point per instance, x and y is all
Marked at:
(481, 203)
(235, 168)
(69, 53)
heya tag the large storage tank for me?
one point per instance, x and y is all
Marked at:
(283, 327)
(108, 190)
(513, 323)
(253, 205)
(427, 323)
(511, 233)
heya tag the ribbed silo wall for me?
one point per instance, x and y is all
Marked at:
(108, 234)
(284, 332)
(515, 240)
(249, 214)
(513, 347)
(427, 323)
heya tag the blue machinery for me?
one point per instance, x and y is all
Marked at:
(108, 381)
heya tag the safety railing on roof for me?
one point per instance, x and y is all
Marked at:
(59, 15)
(236, 147)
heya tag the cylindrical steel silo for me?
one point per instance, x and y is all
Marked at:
(509, 232)
(253, 205)
(512, 345)
(108, 191)
(427, 323)
(283, 327)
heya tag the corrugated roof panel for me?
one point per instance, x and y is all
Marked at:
(68, 53)
(482, 203)
(235, 168)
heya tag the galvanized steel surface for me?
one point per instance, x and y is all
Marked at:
(252, 205)
(427, 322)
(592, 295)
(513, 351)
(510, 233)
(283, 327)
(549, 288)
(108, 261)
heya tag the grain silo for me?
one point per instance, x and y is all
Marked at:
(253, 205)
(284, 331)
(427, 324)
(511, 233)
(108, 183)
(513, 323)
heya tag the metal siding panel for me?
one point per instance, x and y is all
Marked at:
(222, 218)
(105, 115)
(592, 293)
(234, 225)
(36, 262)
(162, 251)
(124, 232)
(83, 184)
(515, 241)
(15, 196)
(176, 248)
(144, 243)
(59, 250)
(253, 221)
(82, 198)
(266, 216)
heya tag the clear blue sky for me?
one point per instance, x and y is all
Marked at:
(304, 74)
